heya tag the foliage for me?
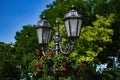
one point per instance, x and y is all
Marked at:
(59, 66)
(26, 43)
(94, 39)
(111, 74)
(8, 70)
(26, 39)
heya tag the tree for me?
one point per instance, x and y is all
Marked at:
(26, 43)
(26, 39)
(94, 39)
(8, 62)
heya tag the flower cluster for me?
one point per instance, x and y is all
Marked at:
(53, 65)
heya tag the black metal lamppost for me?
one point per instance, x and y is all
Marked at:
(73, 23)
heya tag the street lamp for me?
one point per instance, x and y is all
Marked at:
(73, 23)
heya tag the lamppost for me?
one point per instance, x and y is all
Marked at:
(73, 23)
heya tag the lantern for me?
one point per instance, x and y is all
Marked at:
(43, 31)
(73, 23)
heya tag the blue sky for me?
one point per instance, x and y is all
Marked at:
(16, 13)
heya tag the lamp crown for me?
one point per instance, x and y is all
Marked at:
(73, 7)
(44, 22)
(73, 13)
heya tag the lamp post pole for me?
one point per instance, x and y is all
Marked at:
(57, 38)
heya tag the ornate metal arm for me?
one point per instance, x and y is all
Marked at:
(68, 47)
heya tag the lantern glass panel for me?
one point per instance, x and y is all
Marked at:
(39, 34)
(73, 26)
(46, 34)
(79, 26)
(67, 27)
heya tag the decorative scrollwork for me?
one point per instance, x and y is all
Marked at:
(68, 47)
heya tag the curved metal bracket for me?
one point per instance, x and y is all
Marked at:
(68, 47)
(44, 50)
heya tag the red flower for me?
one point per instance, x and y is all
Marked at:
(81, 64)
(63, 72)
(38, 65)
(64, 63)
(50, 53)
(42, 74)
(37, 54)
(43, 57)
